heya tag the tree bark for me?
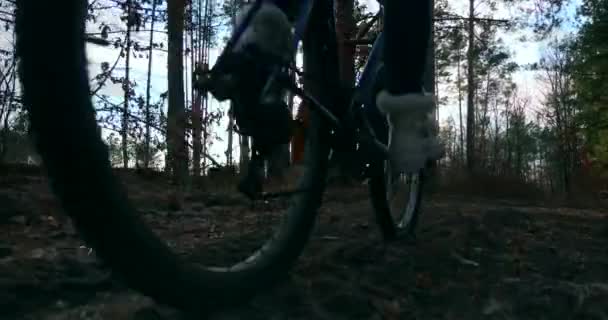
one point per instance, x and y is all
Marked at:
(483, 124)
(461, 126)
(244, 153)
(176, 124)
(147, 151)
(126, 87)
(197, 143)
(8, 99)
(229, 149)
(471, 89)
(345, 30)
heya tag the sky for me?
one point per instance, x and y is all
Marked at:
(523, 53)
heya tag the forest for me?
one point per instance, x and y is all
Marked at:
(519, 84)
(515, 214)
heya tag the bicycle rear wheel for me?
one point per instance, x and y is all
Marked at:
(53, 71)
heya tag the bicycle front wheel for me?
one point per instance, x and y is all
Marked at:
(396, 198)
(64, 129)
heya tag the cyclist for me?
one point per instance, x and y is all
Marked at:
(407, 28)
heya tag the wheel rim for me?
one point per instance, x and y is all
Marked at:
(402, 196)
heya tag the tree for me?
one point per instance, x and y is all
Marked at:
(590, 78)
(230, 9)
(561, 108)
(148, 114)
(176, 117)
(130, 21)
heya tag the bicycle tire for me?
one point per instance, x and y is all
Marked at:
(378, 184)
(391, 228)
(52, 69)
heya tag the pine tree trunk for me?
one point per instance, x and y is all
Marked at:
(229, 149)
(244, 147)
(197, 143)
(7, 105)
(176, 124)
(495, 168)
(148, 115)
(244, 153)
(507, 165)
(483, 122)
(459, 80)
(345, 30)
(471, 89)
(126, 87)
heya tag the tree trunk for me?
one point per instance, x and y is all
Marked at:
(483, 123)
(126, 87)
(244, 153)
(244, 145)
(205, 129)
(197, 143)
(148, 137)
(507, 164)
(229, 149)
(471, 89)
(459, 80)
(176, 124)
(496, 146)
(345, 29)
(7, 105)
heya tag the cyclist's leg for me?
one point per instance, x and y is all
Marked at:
(407, 29)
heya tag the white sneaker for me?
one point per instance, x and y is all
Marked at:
(412, 137)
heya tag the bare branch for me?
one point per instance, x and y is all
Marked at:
(119, 107)
(460, 18)
(366, 26)
(109, 73)
(124, 31)
(7, 20)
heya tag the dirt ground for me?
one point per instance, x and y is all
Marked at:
(472, 259)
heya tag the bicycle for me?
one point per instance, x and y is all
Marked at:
(64, 130)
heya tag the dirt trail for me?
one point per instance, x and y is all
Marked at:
(471, 260)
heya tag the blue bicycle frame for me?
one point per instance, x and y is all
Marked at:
(364, 93)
